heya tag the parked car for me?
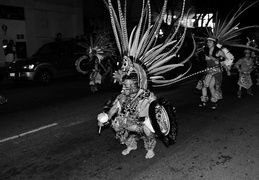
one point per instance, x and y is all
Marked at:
(52, 60)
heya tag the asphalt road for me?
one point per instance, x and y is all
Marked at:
(49, 133)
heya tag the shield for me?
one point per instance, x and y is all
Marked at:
(83, 64)
(163, 120)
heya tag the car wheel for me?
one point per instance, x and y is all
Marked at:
(44, 76)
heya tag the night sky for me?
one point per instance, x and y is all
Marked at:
(223, 7)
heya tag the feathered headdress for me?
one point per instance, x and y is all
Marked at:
(141, 54)
(99, 45)
(252, 44)
(226, 33)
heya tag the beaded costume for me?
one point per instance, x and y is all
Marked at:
(137, 113)
(223, 34)
(100, 47)
(214, 69)
(246, 66)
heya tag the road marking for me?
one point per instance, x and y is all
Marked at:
(54, 124)
(75, 123)
(28, 132)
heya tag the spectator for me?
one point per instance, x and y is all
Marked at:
(3, 99)
(12, 45)
(58, 37)
(9, 51)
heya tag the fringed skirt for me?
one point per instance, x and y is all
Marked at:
(245, 81)
(205, 81)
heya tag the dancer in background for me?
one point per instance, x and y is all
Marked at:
(245, 66)
(100, 47)
(212, 78)
(95, 77)
(222, 35)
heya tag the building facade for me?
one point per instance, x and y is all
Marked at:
(31, 23)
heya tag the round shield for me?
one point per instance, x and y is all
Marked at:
(82, 64)
(163, 120)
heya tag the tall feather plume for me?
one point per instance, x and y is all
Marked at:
(115, 26)
(123, 25)
(226, 32)
(142, 47)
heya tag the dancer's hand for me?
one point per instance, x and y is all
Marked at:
(100, 124)
(207, 58)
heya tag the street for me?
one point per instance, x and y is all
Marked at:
(51, 133)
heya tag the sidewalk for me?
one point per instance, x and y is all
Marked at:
(2, 73)
(4, 81)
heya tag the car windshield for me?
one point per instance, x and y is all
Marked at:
(47, 49)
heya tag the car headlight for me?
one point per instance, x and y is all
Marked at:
(30, 66)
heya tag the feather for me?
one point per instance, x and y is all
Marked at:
(142, 47)
(163, 68)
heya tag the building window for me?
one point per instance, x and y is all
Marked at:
(205, 20)
(11, 12)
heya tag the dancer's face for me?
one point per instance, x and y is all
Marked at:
(129, 87)
(247, 53)
(210, 43)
